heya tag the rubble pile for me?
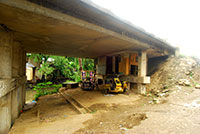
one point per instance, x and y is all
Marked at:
(176, 71)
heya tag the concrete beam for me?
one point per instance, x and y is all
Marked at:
(135, 79)
(6, 86)
(62, 34)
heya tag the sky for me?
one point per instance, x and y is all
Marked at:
(175, 21)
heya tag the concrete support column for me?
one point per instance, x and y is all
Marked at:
(6, 41)
(12, 80)
(101, 65)
(177, 52)
(16, 103)
(23, 75)
(142, 64)
(142, 71)
(5, 113)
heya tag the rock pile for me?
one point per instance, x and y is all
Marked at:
(175, 72)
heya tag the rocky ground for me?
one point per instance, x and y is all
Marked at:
(172, 105)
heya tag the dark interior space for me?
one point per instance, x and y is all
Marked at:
(153, 64)
(109, 65)
(134, 70)
(117, 64)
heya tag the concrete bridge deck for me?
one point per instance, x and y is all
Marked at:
(75, 28)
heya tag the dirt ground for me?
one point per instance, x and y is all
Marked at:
(179, 114)
(53, 114)
(170, 108)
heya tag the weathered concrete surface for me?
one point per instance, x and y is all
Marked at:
(136, 79)
(101, 66)
(142, 71)
(12, 79)
(26, 26)
(5, 54)
(14, 104)
(46, 30)
(5, 113)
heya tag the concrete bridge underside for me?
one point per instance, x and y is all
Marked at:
(41, 29)
(68, 28)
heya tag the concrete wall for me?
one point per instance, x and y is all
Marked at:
(12, 80)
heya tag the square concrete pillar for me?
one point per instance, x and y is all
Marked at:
(101, 65)
(18, 72)
(12, 84)
(6, 55)
(177, 52)
(14, 104)
(142, 64)
(5, 113)
(6, 41)
(24, 76)
(142, 71)
(20, 97)
(16, 60)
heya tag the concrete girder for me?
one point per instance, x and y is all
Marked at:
(43, 30)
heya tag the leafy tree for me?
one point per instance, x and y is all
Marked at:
(61, 66)
(46, 69)
(88, 64)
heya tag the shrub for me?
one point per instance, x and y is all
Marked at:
(46, 88)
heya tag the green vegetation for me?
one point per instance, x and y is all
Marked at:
(54, 67)
(46, 88)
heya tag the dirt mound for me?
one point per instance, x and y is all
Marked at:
(183, 71)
